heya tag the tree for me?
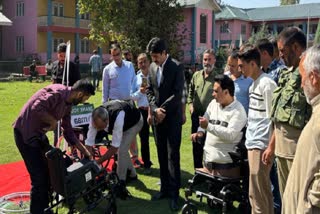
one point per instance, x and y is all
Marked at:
(262, 33)
(317, 36)
(134, 23)
(287, 2)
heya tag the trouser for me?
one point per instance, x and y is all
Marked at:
(133, 149)
(260, 194)
(284, 166)
(37, 167)
(197, 147)
(95, 79)
(275, 188)
(124, 161)
(168, 135)
(144, 139)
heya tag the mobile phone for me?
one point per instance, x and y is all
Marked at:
(144, 82)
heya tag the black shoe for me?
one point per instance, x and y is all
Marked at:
(129, 178)
(174, 204)
(159, 196)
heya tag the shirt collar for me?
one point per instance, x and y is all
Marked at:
(315, 101)
(161, 66)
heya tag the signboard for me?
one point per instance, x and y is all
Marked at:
(81, 114)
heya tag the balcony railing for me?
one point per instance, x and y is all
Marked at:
(63, 22)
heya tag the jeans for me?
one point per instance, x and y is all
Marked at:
(275, 188)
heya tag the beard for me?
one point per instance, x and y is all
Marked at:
(76, 101)
(308, 91)
(208, 68)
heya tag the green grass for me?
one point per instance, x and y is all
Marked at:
(13, 95)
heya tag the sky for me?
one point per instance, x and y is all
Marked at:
(261, 3)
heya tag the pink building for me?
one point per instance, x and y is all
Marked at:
(39, 25)
(200, 22)
(234, 24)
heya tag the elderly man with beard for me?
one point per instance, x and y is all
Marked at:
(199, 97)
(302, 192)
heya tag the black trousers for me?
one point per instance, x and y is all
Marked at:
(144, 139)
(168, 139)
(37, 167)
(197, 147)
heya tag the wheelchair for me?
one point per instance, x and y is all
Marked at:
(82, 179)
(220, 191)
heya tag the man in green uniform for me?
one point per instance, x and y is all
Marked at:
(290, 110)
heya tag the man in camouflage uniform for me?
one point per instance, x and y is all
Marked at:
(290, 110)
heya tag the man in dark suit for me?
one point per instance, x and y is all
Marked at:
(164, 94)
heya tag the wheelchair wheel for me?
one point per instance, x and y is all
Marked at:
(189, 209)
(212, 204)
(111, 208)
(18, 202)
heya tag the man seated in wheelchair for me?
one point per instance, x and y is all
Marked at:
(222, 124)
(123, 120)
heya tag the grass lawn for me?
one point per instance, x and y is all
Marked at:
(13, 95)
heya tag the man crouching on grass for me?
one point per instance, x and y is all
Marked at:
(38, 116)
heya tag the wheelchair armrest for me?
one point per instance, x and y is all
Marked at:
(235, 156)
(106, 143)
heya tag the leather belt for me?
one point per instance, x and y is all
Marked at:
(144, 108)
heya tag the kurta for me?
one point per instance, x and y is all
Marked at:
(302, 193)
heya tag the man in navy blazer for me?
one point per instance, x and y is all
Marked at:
(164, 94)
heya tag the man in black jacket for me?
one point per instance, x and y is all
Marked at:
(58, 67)
(164, 94)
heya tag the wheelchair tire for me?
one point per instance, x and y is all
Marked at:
(111, 208)
(18, 202)
(189, 209)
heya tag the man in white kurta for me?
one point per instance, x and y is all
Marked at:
(302, 192)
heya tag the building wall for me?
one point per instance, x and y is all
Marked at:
(187, 13)
(22, 26)
(42, 8)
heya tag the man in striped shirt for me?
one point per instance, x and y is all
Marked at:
(260, 155)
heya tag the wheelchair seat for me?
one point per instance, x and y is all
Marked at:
(218, 189)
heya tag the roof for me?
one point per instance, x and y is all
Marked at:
(284, 12)
(230, 12)
(204, 4)
(4, 21)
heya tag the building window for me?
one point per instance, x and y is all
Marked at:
(85, 16)
(243, 29)
(55, 43)
(19, 44)
(60, 9)
(224, 28)
(57, 9)
(84, 46)
(203, 28)
(20, 8)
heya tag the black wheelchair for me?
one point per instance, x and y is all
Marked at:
(219, 191)
(81, 179)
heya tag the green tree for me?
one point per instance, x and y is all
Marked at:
(262, 33)
(134, 23)
(317, 36)
(287, 2)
